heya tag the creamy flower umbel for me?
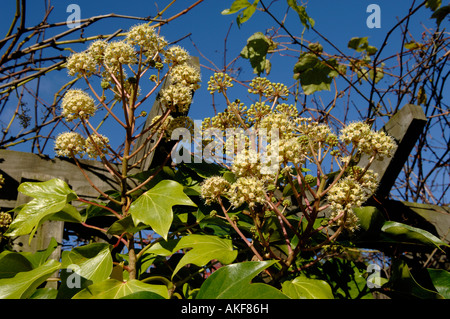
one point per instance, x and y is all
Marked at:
(69, 144)
(77, 104)
(299, 158)
(142, 51)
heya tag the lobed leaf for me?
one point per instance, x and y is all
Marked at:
(234, 282)
(433, 4)
(114, 289)
(256, 50)
(441, 281)
(204, 249)
(154, 207)
(94, 261)
(408, 234)
(49, 198)
(306, 21)
(402, 282)
(247, 7)
(307, 288)
(440, 14)
(314, 74)
(24, 284)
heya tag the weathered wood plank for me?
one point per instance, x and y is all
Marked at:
(432, 218)
(13, 164)
(405, 127)
(157, 109)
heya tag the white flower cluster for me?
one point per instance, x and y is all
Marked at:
(368, 141)
(280, 90)
(261, 86)
(301, 143)
(351, 191)
(72, 143)
(5, 222)
(214, 187)
(184, 80)
(180, 122)
(97, 50)
(80, 63)
(185, 75)
(219, 82)
(291, 150)
(248, 190)
(96, 145)
(77, 104)
(119, 52)
(176, 55)
(69, 143)
(280, 121)
(160, 126)
(170, 124)
(257, 112)
(246, 163)
(177, 97)
(147, 39)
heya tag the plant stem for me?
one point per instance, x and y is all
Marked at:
(131, 257)
(233, 224)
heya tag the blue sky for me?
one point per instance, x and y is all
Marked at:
(337, 20)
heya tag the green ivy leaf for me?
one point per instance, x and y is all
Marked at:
(370, 218)
(412, 45)
(314, 74)
(154, 207)
(12, 263)
(421, 96)
(83, 266)
(48, 198)
(306, 21)
(44, 293)
(236, 6)
(163, 248)
(248, 10)
(256, 50)
(361, 45)
(114, 289)
(376, 77)
(233, 282)
(94, 261)
(24, 284)
(433, 4)
(307, 288)
(440, 14)
(402, 282)
(441, 281)
(124, 225)
(408, 234)
(204, 249)
(40, 257)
